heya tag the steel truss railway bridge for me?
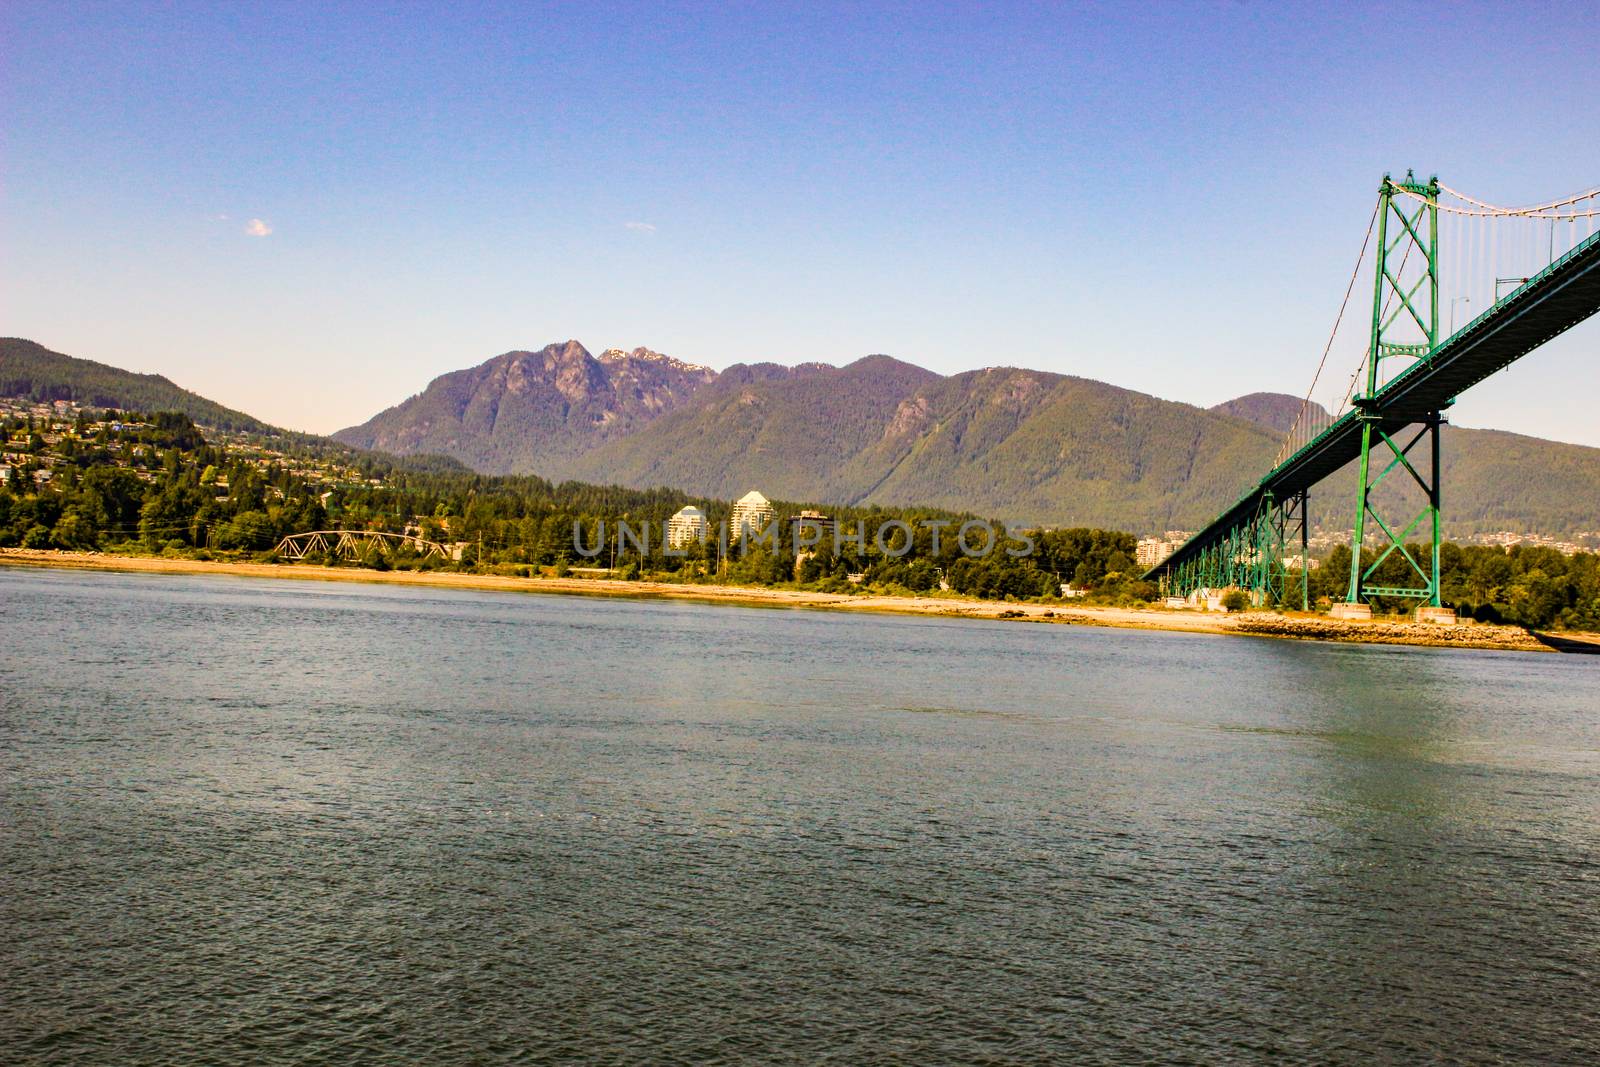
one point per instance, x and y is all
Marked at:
(1534, 272)
(354, 544)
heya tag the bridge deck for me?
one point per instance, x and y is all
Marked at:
(1553, 301)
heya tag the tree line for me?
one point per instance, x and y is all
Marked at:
(158, 485)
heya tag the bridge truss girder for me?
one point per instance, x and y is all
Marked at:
(353, 544)
(1251, 556)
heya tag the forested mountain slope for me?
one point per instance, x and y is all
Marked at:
(28, 369)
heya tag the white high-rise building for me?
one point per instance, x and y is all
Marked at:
(751, 512)
(689, 524)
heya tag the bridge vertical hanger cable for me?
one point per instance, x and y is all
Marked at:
(1305, 405)
(1527, 241)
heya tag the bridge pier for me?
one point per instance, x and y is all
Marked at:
(1297, 513)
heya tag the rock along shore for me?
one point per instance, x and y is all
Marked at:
(1470, 635)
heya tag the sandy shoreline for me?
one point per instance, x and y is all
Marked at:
(1259, 624)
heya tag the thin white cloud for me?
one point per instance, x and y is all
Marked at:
(257, 228)
(641, 227)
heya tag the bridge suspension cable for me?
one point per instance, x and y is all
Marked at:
(1485, 253)
(1306, 405)
(1533, 211)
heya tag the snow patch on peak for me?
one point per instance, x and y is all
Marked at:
(645, 355)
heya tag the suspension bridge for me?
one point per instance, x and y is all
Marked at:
(354, 544)
(1535, 273)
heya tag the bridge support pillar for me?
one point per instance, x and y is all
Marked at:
(1296, 513)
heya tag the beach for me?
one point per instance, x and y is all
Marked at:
(1250, 623)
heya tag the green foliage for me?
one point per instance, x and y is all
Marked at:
(180, 495)
(1235, 600)
(994, 579)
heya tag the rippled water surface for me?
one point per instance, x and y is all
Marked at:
(252, 822)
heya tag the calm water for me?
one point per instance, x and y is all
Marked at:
(281, 822)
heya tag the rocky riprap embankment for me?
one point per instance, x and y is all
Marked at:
(1474, 635)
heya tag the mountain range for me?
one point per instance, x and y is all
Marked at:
(1021, 444)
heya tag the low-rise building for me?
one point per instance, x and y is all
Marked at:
(811, 527)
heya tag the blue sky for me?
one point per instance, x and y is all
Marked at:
(1168, 197)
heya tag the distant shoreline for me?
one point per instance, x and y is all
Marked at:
(1258, 624)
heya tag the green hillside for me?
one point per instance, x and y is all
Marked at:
(1042, 447)
(1030, 446)
(786, 430)
(1038, 447)
(30, 370)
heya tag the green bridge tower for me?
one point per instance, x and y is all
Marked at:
(1405, 326)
